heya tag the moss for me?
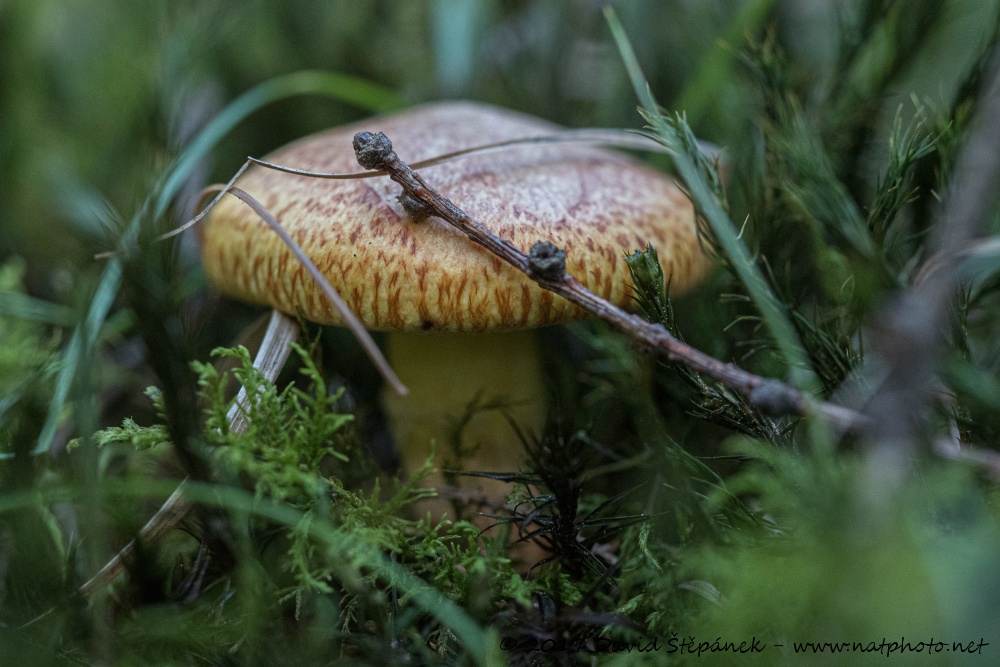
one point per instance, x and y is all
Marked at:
(669, 505)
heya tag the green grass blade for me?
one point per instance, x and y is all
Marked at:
(723, 228)
(29, 308)
(347, 548)
(339, 86)
(84, 339)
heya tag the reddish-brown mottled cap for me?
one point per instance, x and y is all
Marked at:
(397, 274)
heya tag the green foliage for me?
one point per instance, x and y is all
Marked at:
(839, 559)
(26, 350)
(288, 434)
(709, 400)
(298, 450)
(838, 547)
(666, 504)
(28, 359)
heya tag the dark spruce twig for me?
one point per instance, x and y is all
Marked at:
(546, 265)
(550, 517)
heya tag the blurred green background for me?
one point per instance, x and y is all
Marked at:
(99, 97)
(96, 97)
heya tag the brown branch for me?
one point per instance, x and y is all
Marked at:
(546, 265)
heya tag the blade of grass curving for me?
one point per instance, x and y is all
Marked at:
(84, 337)
(339, 86)
(274, 350)
(345, 547)
(723, 228)
(30, 308)
(308, 82)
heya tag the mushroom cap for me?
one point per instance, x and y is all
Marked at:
(397, 274)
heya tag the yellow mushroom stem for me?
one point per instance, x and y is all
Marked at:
(446, 373)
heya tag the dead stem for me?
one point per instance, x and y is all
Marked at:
(270, 359)
(546, 266)
(350, 319)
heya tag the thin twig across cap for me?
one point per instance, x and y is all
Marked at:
(397, 274)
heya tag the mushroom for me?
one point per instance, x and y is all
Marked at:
(459, 318)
